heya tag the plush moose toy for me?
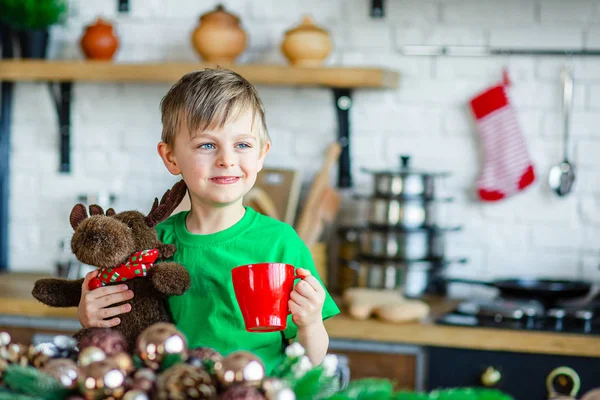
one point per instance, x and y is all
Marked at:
(124, 247)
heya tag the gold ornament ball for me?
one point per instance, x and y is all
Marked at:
(143, 379)
(124, 362)
(135, 395)
(102, 379)
(91, 355)
(240, 367)
(158, 341)
(185, 381)
(63, 370)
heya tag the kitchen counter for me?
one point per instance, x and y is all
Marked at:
(16, 300)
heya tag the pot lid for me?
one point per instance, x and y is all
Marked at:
(220, 15)
(307, 25)
(404, 170)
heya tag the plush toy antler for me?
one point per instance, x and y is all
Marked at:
(124, 247)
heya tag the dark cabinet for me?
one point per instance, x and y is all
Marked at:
(520, 375)
(399, 363)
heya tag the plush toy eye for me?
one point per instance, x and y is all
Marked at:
(130, 224)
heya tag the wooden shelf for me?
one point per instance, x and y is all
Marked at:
(282, 75)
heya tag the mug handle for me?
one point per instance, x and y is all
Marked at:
(297, 276)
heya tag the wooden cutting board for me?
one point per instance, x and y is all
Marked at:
(283, 187)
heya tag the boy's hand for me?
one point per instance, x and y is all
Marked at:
(306, 302)
(93, 306)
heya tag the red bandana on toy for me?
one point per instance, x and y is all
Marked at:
(137, 265)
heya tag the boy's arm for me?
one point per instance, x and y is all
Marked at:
(315, 340)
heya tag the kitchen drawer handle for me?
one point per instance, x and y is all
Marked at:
(491, 377)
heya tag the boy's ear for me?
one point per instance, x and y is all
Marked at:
(166, 153)
(263, 154)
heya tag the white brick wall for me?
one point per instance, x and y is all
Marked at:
(116, 126)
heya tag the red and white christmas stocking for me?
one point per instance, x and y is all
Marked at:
(507, 167)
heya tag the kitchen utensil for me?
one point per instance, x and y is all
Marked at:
(405, 181)
(412, 278)
(310, 216)
(283, 187)
(261, 202)
(326, 211)
(562, 176)
(399, 244)
(542, 289)
(263, 292)
(409, 213)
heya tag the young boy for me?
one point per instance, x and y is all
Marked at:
(214, 135)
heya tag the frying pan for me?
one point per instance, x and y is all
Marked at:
(543, 289)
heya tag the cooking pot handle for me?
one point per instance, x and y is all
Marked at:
(469, 281)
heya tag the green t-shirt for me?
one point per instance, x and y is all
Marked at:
(208, 313)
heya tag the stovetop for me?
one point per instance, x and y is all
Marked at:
(526, 315)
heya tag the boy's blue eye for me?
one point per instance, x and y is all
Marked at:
(206, 146)
(244, 145)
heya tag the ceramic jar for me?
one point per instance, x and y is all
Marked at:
(99, 41)
(219, 38)
(306, 45)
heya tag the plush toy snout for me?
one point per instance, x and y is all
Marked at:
(102, 241)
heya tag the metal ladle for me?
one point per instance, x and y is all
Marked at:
(562, 176)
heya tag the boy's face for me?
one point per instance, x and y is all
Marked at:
(219, 166)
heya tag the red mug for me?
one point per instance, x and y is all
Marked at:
(263, 291)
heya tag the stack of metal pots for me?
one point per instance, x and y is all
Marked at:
(402, 245)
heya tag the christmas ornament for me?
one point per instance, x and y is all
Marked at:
(206, 356)
(102, 379)
(135, 395)
(64, 371)
(240, 367)
(4, 339)
(144, 379)
(183, 381)
(277, 389)
(124, 362)
(63, 346)
(159, 343)
(241, 392)
(91, 355)
(15, 353)
(507, 167)
(109, 340)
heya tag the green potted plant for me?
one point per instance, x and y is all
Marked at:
(31, 20)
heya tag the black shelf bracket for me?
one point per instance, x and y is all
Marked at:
(343, 104)
(61, 94)
(377, 9)
(6, 97)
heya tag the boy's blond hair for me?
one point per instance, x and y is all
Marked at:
(209, 99)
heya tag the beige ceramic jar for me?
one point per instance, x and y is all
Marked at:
(306, 45)
(218, 38)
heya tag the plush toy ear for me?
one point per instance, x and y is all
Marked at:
(95, 209)
(168, 203)
(78, 214)
(110, 212)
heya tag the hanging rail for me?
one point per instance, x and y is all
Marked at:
(477, 51)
